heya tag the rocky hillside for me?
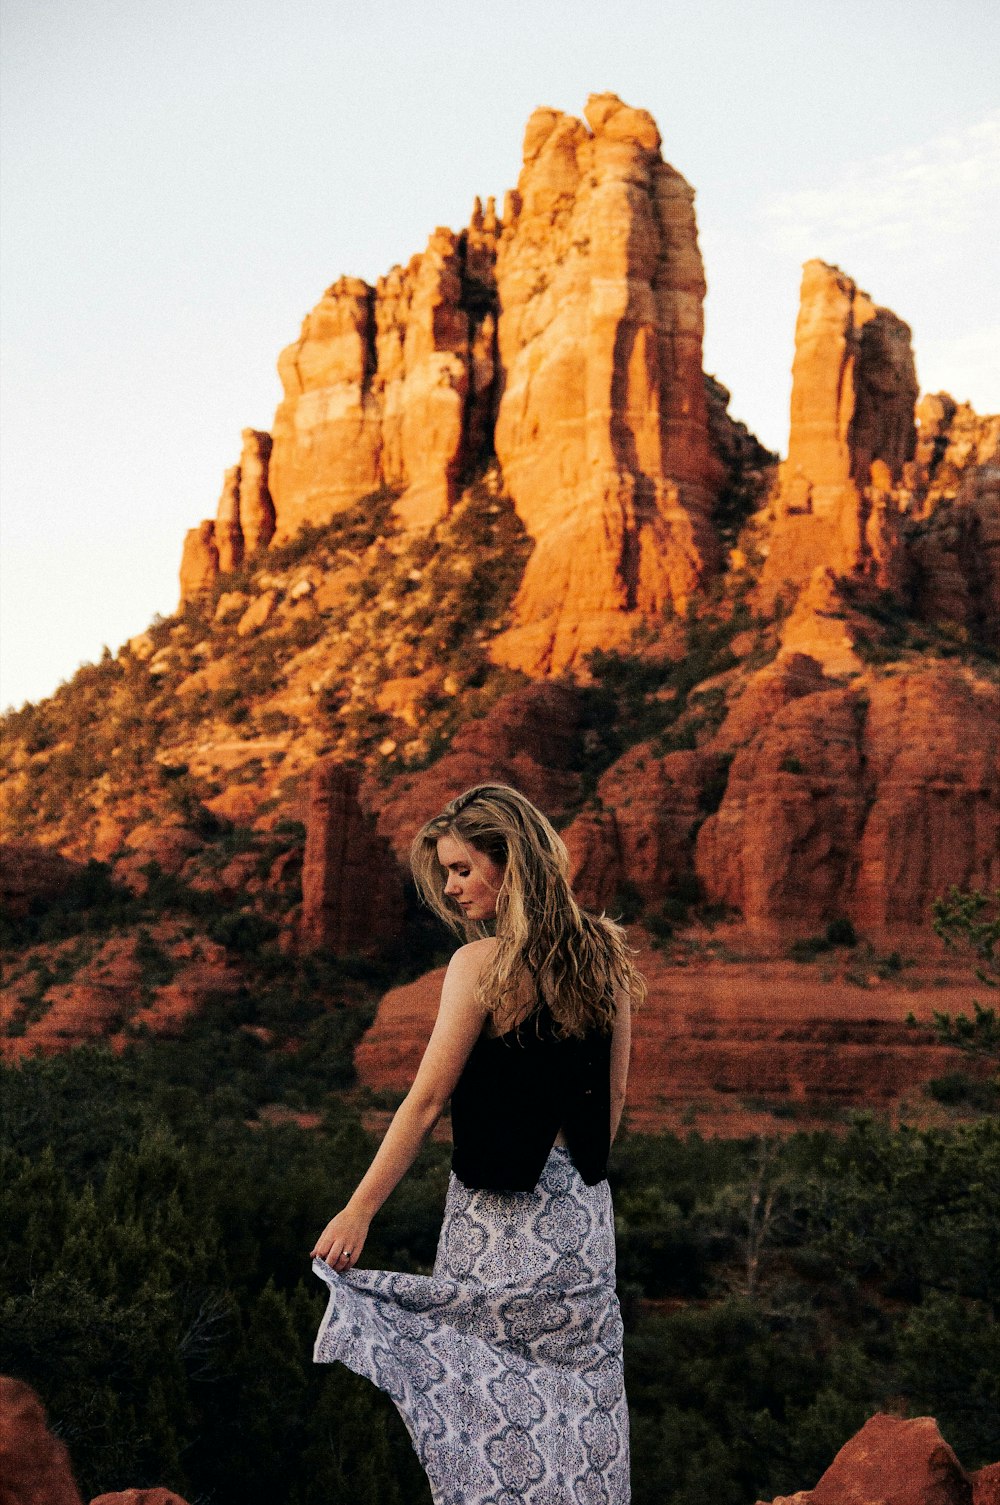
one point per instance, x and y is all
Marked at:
(504, 526)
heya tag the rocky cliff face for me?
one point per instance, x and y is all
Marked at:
(389, 386)
(602, 429)
(865, 801)
(953, 517)
(352, 891)
(566, 340)
(900, 496)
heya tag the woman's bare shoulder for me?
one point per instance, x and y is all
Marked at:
(474, 955)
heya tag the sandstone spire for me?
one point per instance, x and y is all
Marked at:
(199, 561)
(854, 389)
(228, 532)
(602, 430)
(256, 506)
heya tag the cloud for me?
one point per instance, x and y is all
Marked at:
(914, 200)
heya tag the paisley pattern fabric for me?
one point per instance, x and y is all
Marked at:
(506, 1362)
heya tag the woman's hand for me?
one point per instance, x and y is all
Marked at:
(342, 1240)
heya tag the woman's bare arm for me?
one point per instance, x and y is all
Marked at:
(459, 1023)
(621, 1047)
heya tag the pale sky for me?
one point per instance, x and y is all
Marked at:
(182, 180)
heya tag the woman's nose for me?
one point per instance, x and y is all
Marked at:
(452, 887)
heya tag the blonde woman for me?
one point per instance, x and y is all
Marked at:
(506, 1362)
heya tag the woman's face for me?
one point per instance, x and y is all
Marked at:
(473, 880)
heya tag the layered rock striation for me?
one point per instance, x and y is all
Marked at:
(864, 801)
(602, 429)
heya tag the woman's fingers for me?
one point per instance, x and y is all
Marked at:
(340, 1243)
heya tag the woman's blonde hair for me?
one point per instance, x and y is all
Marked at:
(547, 946)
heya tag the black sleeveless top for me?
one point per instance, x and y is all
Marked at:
(515, 1093)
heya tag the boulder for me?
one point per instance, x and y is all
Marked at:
(891, 1462)
(986, 1485)
(156, 1496)
(35, 1467)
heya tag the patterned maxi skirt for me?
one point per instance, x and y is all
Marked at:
(506, 1362)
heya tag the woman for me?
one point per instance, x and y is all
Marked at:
(506, 1362)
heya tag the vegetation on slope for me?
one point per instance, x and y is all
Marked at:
(352, 606)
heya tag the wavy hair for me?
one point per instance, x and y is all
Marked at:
(547, 946)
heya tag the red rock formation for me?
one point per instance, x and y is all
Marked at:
(893, 1462)
(640, 836)
(781, 847)
(768, 692)
(228, 533)
(932, 755)
(34, 1465)
(199, 561)
(436, 381)
(256, 506)
(602, 429)
(327, 428)
(156, 1496)
(854, 388)
(725, 1039)
(352, 892)
(591, 331)
(531, 738)
(825, 627)
(953, 512)
(986, 1485)
(866, 802)
(390, 385)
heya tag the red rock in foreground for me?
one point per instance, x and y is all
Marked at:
(34, 1465)
(156, 1496)
(893, 1462)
